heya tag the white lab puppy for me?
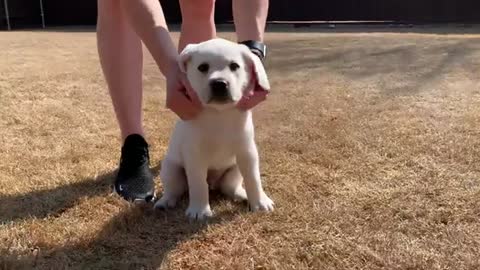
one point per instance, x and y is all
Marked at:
(216, 149)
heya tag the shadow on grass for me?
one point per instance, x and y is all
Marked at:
(138, 238)
(53, 202)
(418, 64)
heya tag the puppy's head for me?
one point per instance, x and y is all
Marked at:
(221, 71)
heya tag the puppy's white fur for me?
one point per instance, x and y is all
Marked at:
(216, 149)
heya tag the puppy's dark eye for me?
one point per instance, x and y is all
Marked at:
(203, 67)
(234, 66)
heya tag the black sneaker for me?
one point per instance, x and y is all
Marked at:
(134, 180)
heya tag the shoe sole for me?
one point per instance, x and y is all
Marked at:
(146, 200)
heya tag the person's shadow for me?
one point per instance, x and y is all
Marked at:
(53, 202)
(138, 238)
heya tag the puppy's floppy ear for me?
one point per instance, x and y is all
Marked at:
(256, 67)
(185, 56)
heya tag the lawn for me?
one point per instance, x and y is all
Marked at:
(369, 146)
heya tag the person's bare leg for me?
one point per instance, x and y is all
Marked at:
(120, 52)
(197, 22)
(250, 17)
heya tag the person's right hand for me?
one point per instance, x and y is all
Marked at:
(181, 98)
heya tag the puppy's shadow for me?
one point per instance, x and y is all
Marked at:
(53, 202)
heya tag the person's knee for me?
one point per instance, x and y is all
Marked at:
(108, 8)
(109, 14)
(195, 10)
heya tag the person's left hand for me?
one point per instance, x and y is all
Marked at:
(253, 97)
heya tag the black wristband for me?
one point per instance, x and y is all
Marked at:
(258, 48)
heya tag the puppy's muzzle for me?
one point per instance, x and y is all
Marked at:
(220, 91)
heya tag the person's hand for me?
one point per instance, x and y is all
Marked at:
(252, 97)
(181, 98)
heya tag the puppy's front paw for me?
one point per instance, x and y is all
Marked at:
(198, 212)
(264, 204)
(166, 202)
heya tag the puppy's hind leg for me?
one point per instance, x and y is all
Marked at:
(174, 184)
(231, 184)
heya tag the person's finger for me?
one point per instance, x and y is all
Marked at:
(188, 92)
(185, 108)
(261, 93)
(192, 94)
(185, 117)
(183, 114)
(193, 104)
(189, 114)
(242, 103)
(253, 100)
(247, 104)
(257, 97)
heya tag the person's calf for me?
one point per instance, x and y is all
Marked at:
(250, 18)
(198, 22)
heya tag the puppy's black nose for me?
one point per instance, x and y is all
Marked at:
(219, 89)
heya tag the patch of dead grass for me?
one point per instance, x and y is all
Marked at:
(369, 146)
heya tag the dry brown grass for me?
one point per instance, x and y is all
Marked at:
(370, 147)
